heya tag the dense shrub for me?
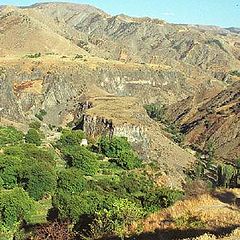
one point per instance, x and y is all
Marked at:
(115, 219)
(156, 111)
(10, 135)
(35, 55)
(30, 167)
(40, 115)
(121, 152)
(15, 206)
(33, 137)
(128, 160)
(160, 198)
(31, 153)
(114, 146)
(74, 206)
(71, 180)
(81, 158)
(9, 171)
(35, 125)
(70, 138)
(136, 184)
(39, 180)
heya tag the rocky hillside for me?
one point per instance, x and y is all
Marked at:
(56, 56)
(148, 40)
(215, 122)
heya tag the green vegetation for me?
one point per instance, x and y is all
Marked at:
(120, 152)
(70, 138)
(9, 135)
(102, 186)
(35, 55)
(41, 114)
(33, 137)
(235, 73)
(157, 112)
(15, 207)
(189, 221)
(81, 158)
(216, 42)
(217, 174)
(78, 56)
(35, 125)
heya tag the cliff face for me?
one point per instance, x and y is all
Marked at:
(124, 116)
(55, 84)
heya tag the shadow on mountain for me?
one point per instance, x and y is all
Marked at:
(175, 234)
(225, 197)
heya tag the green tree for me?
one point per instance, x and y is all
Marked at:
(81, 158)
(71, 180)
(39, 179)
(33, 137)
(70, 138)
(10, 135)
(121, 152)
(15, 206)
(9, 170)
(31, 153)
(74, 206)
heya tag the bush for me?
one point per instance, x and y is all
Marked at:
(41, 114)
(160, 198)
(235, 73)
(136, 184)
(115, 219)
(30, 153)
(70, 138)
(33, 137)
(74, 206)
(71, 180)
(128, 160)
(35, 55)
(9, 171)
(156, 111)
(39, 180)
(113, 147)
(121, 152)
(15, 206)
(35, 125)
(10, 135)
(81, 158)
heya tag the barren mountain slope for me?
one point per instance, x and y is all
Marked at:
(150, 40)
(216, 121)
(23, 34)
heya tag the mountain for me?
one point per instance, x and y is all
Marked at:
(53, 54)
(158, 109)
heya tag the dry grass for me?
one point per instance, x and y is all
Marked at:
(235, 235)
(209, 210)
